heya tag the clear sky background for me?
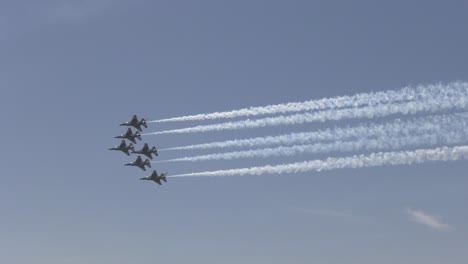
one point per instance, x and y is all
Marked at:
(70, 71)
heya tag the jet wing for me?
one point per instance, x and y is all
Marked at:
(129, 132)
(134, 119)
(145, 148)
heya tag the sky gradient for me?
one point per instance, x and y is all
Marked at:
(72, 71)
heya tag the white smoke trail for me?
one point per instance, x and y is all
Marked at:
(358, 100)
(445, 137)
(419, 125)
(357, 161)
(459, 102)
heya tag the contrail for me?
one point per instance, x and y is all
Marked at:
(419, 125)
(458, 102)
(358, 100)
(446, 137)
(357, 161)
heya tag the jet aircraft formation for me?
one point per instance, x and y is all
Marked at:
(145, 150)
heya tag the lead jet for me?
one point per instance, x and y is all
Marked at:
(130, 136)
(140, 163)
(147, 151)
(155, 177)
(124, 148)
(135, 123)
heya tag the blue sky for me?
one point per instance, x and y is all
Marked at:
(72, 70)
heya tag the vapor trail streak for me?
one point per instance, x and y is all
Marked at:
(419, 125)
(459, 102)
(357, 161)
(339, 146)
(358, 100)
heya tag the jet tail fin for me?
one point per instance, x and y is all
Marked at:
(155, 151)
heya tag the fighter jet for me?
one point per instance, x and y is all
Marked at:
(147, 151)
(130, 136)
(155, 177)
(124, 148)
(140, 163)
(135, 123)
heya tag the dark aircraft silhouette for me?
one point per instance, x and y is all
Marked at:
(135, 123)
(130, 136)
(140, 163)
(155, 177)
(124, 148)
(147, 151)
